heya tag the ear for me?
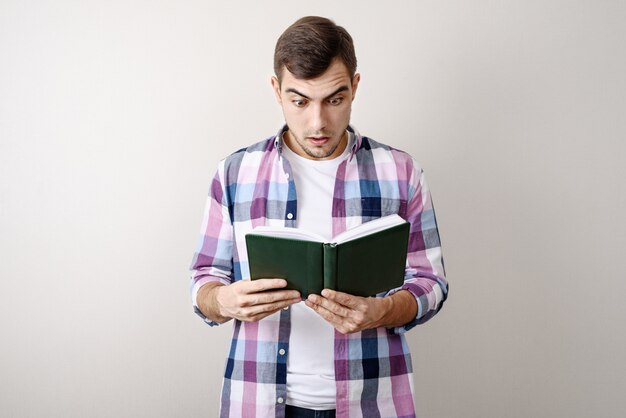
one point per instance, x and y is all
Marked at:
(276, 88)
(355, 84)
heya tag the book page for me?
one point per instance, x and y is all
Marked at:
(285, 232)
(353, 233)
(369, 228)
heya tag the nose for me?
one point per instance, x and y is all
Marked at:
(318, 117)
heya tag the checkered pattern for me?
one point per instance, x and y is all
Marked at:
(254, 186)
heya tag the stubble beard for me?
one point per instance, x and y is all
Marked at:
(318, 152)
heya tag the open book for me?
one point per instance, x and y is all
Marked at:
(363, 261)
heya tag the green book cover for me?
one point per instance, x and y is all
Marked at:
(362, 261)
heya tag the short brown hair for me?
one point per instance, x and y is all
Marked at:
(308, 47)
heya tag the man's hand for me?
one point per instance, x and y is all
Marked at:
(349, 313)
(245, 300)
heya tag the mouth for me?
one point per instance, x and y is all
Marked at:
(318, 140)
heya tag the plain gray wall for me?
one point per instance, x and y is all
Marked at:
(113, 116)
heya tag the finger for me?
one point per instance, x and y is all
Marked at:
(331, 306)
(341, 324)
(262, 298)
(344, 299)
(262, 316)
(335, 320)
(261, 311)
(267, 307)
(325, 313)
(260, 285)
(313, 298)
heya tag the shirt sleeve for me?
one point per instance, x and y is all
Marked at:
(213, 259)
(424, 275)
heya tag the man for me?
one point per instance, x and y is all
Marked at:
(333, 354)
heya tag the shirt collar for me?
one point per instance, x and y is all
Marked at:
(358, 140)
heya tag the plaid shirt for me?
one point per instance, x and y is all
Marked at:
(254, 186)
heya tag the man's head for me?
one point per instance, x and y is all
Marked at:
(307, 48)
(315, 85)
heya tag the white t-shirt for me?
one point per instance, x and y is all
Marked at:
(310, 365)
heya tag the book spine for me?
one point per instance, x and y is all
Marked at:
(330, 266)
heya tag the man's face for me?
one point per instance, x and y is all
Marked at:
(317, 111)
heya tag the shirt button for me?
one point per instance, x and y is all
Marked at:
(280, 400)
(281, 351)
(290, 216)
(287, 175)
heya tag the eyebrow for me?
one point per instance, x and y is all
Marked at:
(339, 90)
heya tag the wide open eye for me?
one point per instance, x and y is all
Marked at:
(335, 101)
(299, 102)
